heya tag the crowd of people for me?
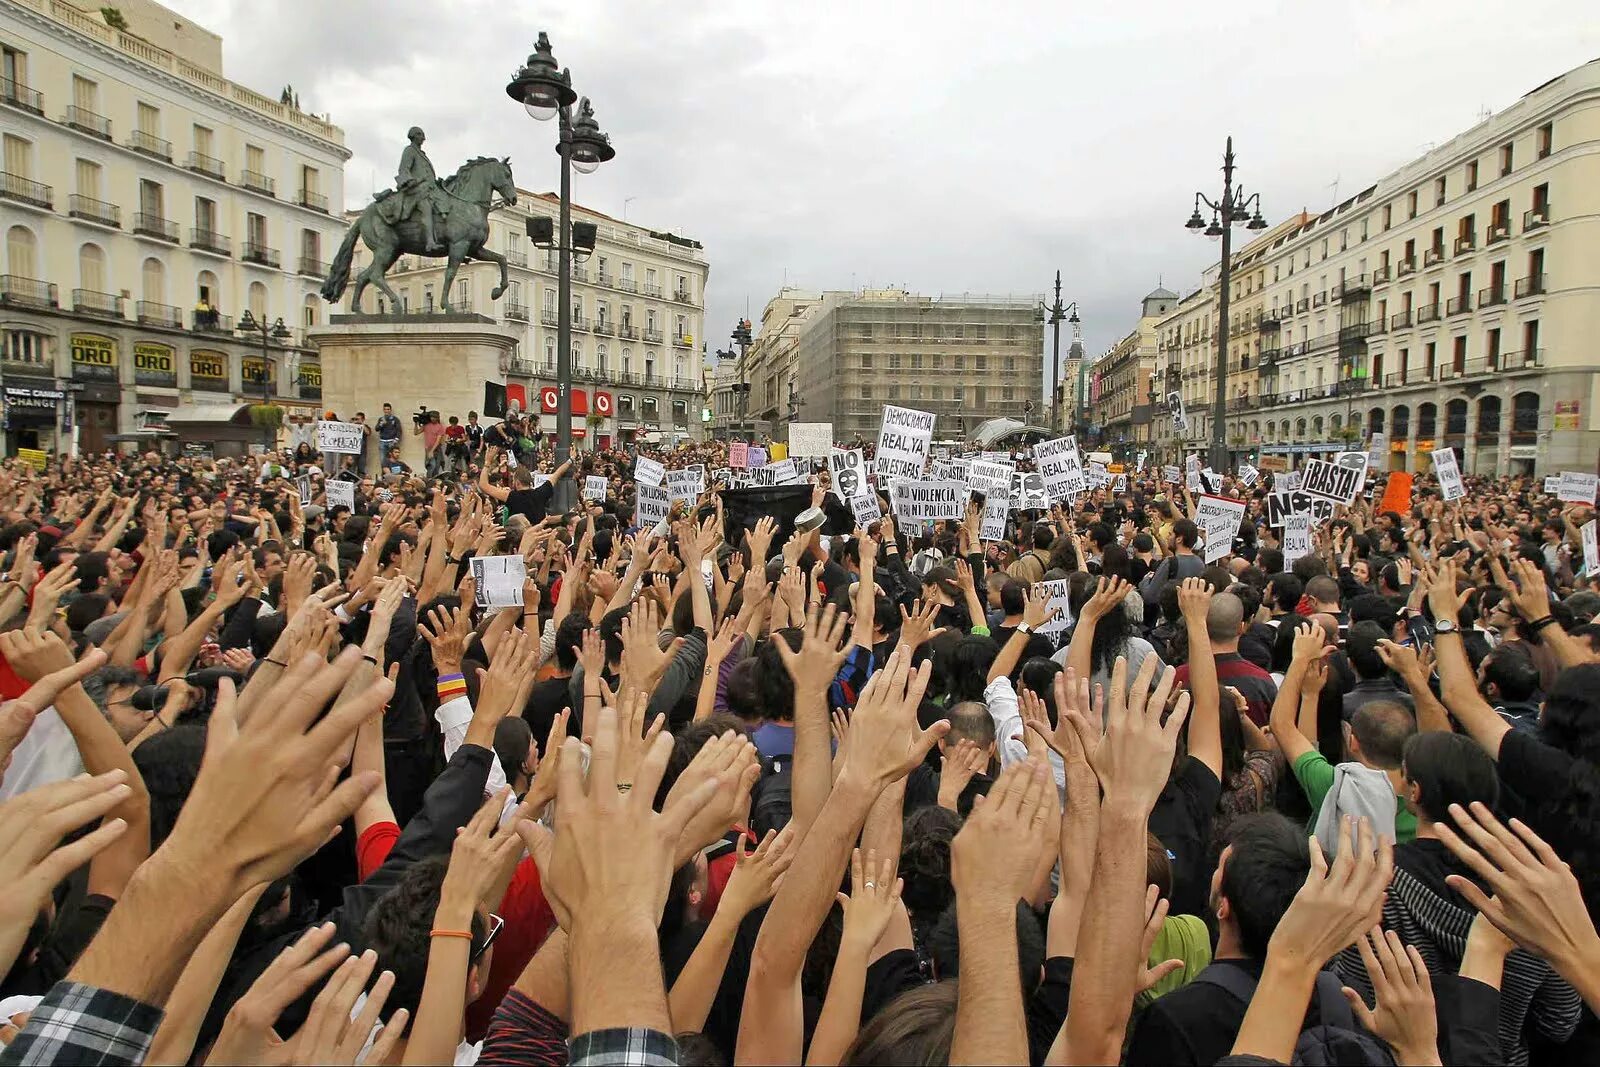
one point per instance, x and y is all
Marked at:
(280, 785)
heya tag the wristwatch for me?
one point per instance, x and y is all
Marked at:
(1445, 626)
(1024, 628)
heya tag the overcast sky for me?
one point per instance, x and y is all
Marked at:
(946, 147)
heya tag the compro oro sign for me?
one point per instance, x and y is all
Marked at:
(208, 370)
(154, 364)
(94, 357)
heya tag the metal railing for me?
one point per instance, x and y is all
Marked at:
(19, 291)
(580, 274)
(1380, 276)
(605, 278)
(1466, 243)
(1400, 321)
(211, 322)
(682, 296)
(516, 312)
(151, 313)
(80, 118)
(1532, 285)
(580, 323)
(1319, 299)
(1427, 313)
(152, 225)
(680, 341)
(18, 95)
(312, 267)
(28, 191)
(87, 207)
(1405, 266)
(1533, 218)
(652, 290)
(150, 144)
(652, 337)
(517, 258)
(210, 166)
(91, 302)
(312, 199)
(261, 255)
(1432, 256)
(1458, 305)
(547, 317)
(1491, 295)
(210, 241)
(1500, 231)
(605, 327)
(257, 182)
(1302, 305)
(627, 332)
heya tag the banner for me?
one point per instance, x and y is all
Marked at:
(1138, 466)
(154, 364)
(341, 493)
(1219, 518)
(594, 487)
(849, 472)
(1577, 487)
(1331, 480)
(866, 509)
(995, 506)
(652, 505)
(1355, 461)
(647, 471)
(923, 502)
(686, 484)
(949, 470)
(810, 439)
(497, 581)
(783, 472)
(1296, 538)
(904, 441)
(1396, 493)
(739, 454)
(342, 437)
(1061, 467)
(1449, 475)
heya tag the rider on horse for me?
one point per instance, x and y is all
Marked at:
(419, 188)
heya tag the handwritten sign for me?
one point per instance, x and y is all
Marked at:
(594, 487)
(810, 439)
(1219, 518)
(1061, 466)
(739, 454)
(497, 581)
(686, 484)
(341, 494)
(647, 471)
(1590, 533)
(342, 437)
(1296, 538)
(1247, 475)
(1576, 487)
(1055, 594)
(865, 508)
(1451, 486)
(756, 457)
(904, 441)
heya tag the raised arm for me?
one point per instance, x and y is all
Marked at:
(1108, 595)
(1458, 685)
(1310, 653)
(1205, 713)
(811, 670)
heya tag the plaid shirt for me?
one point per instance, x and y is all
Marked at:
(84, 1024)
(623, 1047)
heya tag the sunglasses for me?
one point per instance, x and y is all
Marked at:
(496, 924)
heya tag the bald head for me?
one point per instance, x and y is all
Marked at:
(1223, 619)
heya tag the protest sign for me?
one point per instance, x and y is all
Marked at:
(1028, 492)
(32, 457)
(783, 472)
(1247, 475)
(594, 487)
(949, 470)
(1273, 464)
(647, 471)
(739, 454)
(686, 484)
(985, 476)
(1138, 466)
(755, 457)
(849, 472)
(1219, 518)
(1055, 594)
(497, 581)
(810, 439)
(342, 437)
(1171, 475)
(1211, 479)
(652, 505)
(1180, 421)
(866, 509)
(341, 494)
(904, 440)
(1449, 475)
(1296, 538)
(303, 485)
(922, 502)
(1061, 467)
(1119, 484)
(1330, 480)
(995, 507)
(1576, 487)
(1375, 450)
(1552, 484)
(778, 451)
(1591, 547)
(1097, 475)
(1396, 493)
(1355, 461)
(722, 476)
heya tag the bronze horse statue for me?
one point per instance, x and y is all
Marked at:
(462, 232)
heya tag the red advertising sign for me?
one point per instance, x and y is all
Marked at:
(549, 399)
(602, 403)
(580, 402)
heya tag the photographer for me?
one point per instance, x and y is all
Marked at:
(427, 424)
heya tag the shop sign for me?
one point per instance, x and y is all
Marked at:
(94, 356)
(154, 364)
(208, 370)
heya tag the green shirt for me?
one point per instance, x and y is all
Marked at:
(1315, 775)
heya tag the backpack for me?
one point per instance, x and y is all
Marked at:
(1336, 1037)
(771, 801)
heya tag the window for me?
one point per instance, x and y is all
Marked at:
(18, 157)
(256, 301)
(601, 358)
(255, 159)
(916, 361)
(153, 280)
(13, 67)
(1458, 358)
(1438, 192)
(894, 392)
(427, 296)
(89, 176)
(1006, 392)
(957, 393)
(1411, 204)
(148, 119)
(625, 405)
(202, 141)
(650, 320)
(916, 391)
(92, 268)
(1505, 159)
(1542, 139)
(255, 227)
(550, 303)
(22, 346)
(866, 391)
(550, 353)
(310, 248)
(627, 361)
(1472, 175)
(894, 361)
(85, 94)
(866, 361)
(1541, 201)
(980, 363)
(150, 198)
(683, 327)
(980, 395)
(1388, 215)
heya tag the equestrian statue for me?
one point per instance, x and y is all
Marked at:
(425, 216)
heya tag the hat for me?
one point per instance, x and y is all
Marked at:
(312, 511)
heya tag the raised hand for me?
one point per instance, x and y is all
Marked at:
(1133, 755)
(757, 875)
(917, 627)
(885, 743)
(1109, 593)
(817, 662)
(957, 766)
(1194, 599)
(1336, 904)
(1404, 1015)
(643, 659)
(503, 688)
(446, 634)
(874, 895)
(993, 857)
(1036, 610)
(1155, 908)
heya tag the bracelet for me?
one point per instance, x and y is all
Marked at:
(370, 659)
(276, 663)
(465, 935)
(1548, 620)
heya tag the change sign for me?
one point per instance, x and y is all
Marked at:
(904, 441)
(1332, 481)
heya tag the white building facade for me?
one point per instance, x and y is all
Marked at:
(146, 202)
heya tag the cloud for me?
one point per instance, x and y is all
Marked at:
(943, 146)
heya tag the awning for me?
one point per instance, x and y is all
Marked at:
(212, 414)
(992, 431)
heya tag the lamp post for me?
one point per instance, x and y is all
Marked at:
(1233, 207)
(1056, 316)
(741, 337)
(545, 91)
(274, 331)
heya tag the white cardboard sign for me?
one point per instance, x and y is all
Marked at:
(1449, 474)
(647, 471)
(922, 502)
(810, 439)
(342, 437)
(498, 581)
(1577, 487)
(1219, 517)
(904, 441)
(1061, 467)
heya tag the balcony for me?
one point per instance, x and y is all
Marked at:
(606, 278)
(1499, 231)
(549, 317)
(627, 332)
(1466, 243)
(1492, 295)
(1532, 285)
(312, 267)
(605, 328)
(1356, 331)
(18, 95)
(1269, 360)
(522, 368)
(1408, 265)
(149, 224)
(150, 313)
(579, 324)
(1354, 288)
(19, 292)
(150, 145)
(1427, 313)
(1433, 256)
(83, 119)
(101, 305)
(211, 241)
(212, 322)
(257, 182)
(682, 296)
(1535, 218)
(1458, 305)
(1380, 276)
(516, 312)
(627, 285)
(652, 337)
(312, 199)
(680, 341)
(517, 259)
(1242, 403)
(1270, 323)
(1319, 300)
(210, 166)
(261, 255)
(1401, 321)
(1526, 359)
(25, 190)
(1302, 305)
(92, 210)
(652, 290)
(580, 274)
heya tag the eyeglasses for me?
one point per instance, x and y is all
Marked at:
(496, 924)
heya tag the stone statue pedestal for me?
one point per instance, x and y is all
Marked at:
(410, 361)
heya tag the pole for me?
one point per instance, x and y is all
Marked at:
(564, 314)
(1055, 359)
(1219, 404)
(744, 387)
(266, 385)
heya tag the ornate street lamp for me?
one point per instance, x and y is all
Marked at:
(275, 331)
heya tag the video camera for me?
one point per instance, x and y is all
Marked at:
(421, 416)
(153, 698)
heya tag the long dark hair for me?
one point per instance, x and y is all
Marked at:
(1111, 633)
